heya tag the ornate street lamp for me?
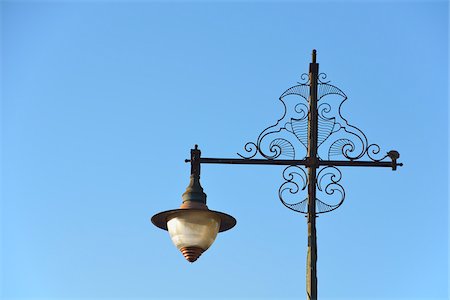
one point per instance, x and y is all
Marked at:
(311, 139)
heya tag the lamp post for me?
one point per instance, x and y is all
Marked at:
(311, 139)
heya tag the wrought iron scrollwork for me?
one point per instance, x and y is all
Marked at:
(288, 138)
(296, 181)
(336, 140)
(304, 79)
(328, 187)
(321, 78)
(339, 139)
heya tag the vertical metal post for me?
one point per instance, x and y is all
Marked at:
(311, 260)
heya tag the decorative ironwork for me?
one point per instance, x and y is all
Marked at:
(336, 140)
(321, 78)
(289, 134)
(328, 186)
(304, 79)
(296, 181)
(336, 136)
(311, 139)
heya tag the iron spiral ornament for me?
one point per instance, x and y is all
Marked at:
(337, 139)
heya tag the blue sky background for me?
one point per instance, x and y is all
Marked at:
(101, 102)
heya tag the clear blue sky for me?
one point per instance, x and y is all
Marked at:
(101, 102)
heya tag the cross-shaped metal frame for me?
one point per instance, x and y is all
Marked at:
(313, 123)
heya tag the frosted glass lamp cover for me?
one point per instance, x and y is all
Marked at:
(193, 228)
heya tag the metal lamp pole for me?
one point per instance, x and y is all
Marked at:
(311, 125)
(311, 260)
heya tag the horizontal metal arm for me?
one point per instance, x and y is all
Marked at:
(238, 161)
(343, 163)
(303, 162)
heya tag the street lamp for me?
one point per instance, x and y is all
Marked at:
(193, 227)
(311, 139)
